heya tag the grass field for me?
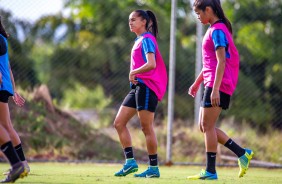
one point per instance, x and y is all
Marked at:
(71, 173)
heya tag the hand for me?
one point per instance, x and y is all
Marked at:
(132, 78)
(193, 90)
(18, 99)
(215, 98)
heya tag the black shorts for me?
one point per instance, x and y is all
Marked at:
(206, 99)
(141, 97)
(4, 96)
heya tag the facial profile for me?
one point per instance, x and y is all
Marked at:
(136, 23)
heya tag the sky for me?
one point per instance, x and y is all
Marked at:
(31, 10)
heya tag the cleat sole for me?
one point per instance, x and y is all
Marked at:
(129, 172)
(241, 174)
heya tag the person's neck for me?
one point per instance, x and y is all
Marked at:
(214, 20)
(141, 33)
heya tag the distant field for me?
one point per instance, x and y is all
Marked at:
(64, 173)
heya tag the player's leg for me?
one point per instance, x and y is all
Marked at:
(147, 119)
(125, 113)
(17, 168)
(208, 122)
(221, 136)
(17, 145)
(244, 155)
(229, 143)
(146, 105)
(123, 116)
(207, 118)
(207, 126)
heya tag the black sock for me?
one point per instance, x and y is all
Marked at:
(153, 160)
(128, 152)
(10, 152)
(230, 144)
(211, 158)
(19, 150)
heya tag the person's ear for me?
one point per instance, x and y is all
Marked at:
(144, 21)
(208, 10)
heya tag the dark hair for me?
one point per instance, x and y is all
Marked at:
(216, 7)
(150, 17)
(2, 30)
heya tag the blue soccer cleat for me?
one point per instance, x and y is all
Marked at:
(151, 172)
(204, 175)
(130, 166)
(244, 162)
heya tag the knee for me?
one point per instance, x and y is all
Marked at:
(201, 128)
(118, 124)
(205, 126)
(8, 126)
(146, 130)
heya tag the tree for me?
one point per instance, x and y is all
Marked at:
(259, 41)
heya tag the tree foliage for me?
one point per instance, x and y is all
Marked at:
(91, 47)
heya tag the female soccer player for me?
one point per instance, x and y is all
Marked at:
(148, 79)
(9, 140)
(219, 74)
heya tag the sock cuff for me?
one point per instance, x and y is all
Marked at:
(18, 146)
(229, 141)
(128, 149)
(155, 166)
(155, 155)
(211, 153)
(6, 144)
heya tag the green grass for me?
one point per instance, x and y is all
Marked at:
(71, 173)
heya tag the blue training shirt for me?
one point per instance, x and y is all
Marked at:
(148, 46)
(219, 40)
(6, 84)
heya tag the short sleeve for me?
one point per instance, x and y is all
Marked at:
(148, 46)
(219, 39)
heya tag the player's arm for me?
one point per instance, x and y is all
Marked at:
(12, 78)
(195, 86)
(221, 44)
(150, 65)
(18, 99)
(149, 50)
(220, 55)
(199, 79)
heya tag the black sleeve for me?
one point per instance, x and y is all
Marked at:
(3, 46)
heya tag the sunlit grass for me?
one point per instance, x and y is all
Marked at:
(68, 173)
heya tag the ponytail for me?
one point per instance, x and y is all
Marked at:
(220, 14)
(2, 30)
(151, 24)
(216, 7)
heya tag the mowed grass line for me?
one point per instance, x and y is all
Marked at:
(71, 173)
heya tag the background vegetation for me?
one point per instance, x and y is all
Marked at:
(83, 57)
